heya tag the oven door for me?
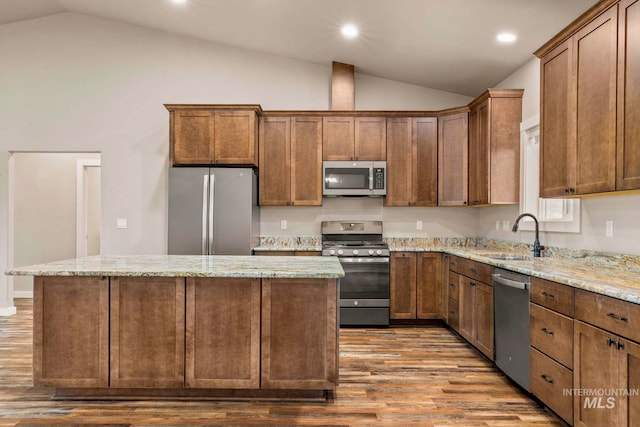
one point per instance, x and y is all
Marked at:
(366, 281)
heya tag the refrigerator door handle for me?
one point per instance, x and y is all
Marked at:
(212, 180)
(205, 185)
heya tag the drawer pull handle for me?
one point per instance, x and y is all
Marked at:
(547, 294)
(547, 331)
(611, 342)
(473, 270)
(546, 378)
(453, 285)
(622, 319)
(472, 283)
(453, 313)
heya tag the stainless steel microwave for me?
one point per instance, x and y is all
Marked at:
(348, 178)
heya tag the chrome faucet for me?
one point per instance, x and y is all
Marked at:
(536, 244)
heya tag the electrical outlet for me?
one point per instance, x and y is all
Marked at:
(497, 225)
(505, 225)
(121, 223)
(609, 228)
(419, 224)
(283, 224)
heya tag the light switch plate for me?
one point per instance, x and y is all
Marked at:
(609, 228)
(419, 224)
(283, 224)
(505, 225)
(121, 223)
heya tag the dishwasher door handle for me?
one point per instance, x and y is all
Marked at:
(508, 282)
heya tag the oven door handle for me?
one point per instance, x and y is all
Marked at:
(374, 260)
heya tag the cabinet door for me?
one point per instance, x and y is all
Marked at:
(371, 138)
(236, 138)
(275, 161)
(338, 138)
(595, 367)
(222, 336)
(428, 284)
(299, 334)
(479, 154)
(147, 332)
(403, 286)
(628, 156)
(425, 161)
(629, 406)
(73, 314)
(467, 308)
(444, 288)
(306, 161)
(595, 65)
(192, 136)
(555, 120)
(483, 327)
(453, 160)
(399, 162)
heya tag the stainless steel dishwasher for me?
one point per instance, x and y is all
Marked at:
(511, 314)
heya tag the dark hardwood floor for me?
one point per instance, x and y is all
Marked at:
(425, 376)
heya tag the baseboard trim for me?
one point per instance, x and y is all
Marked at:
(8, 311)
(23, 294)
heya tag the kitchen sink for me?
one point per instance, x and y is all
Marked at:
(509, 257)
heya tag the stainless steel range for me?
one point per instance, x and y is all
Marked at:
(364, 291)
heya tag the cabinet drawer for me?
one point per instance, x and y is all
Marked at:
(454, 264)
(552, 334)
(476, 270)
(552, 295)
(547, 380)
(454, 314)
(617, 316)
(454, 286)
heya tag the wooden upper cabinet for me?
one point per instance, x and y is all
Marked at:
(338, 138)
(370, 138)
(306, 161)
(291, 161)
(213, 134)
(628, 145)
(555, 88)
(594, 67)
(412, 161)
(494, 147)
(453, 159)
(354, 138)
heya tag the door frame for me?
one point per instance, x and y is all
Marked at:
(81, 203)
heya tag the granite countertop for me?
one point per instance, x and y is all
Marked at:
(188, 266)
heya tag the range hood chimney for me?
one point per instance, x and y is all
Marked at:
(342, 87)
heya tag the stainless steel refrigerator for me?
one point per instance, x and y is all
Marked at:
(213, 211)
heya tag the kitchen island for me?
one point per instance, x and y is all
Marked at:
(186, 326)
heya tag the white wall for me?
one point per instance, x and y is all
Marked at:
(623, 210)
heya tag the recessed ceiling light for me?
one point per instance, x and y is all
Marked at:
(349, 31)
(506, 37)
(178, 1)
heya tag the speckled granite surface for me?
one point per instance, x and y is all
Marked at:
(188, 266)
(289, 243)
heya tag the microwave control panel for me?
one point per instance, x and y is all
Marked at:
(378, 178)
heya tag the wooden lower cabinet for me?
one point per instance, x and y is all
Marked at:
(222, 339)
(299, 334)
(147, 332)
(476, 314)
(415, 285)
(606, 363)
(73, 315)
(549, 381)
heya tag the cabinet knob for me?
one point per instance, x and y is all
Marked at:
(464, 203)
(566, 191)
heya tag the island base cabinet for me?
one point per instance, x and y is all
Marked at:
(222, 339)
(71, 332)
(299, 334)
(147, 332)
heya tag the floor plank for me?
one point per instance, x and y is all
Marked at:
(425, 376)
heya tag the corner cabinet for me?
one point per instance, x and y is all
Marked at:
(494, 147)
(453, 160)
(291, 160)
(213, 134)
(412, 161)
(589, 103)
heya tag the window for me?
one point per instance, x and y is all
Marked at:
(554, 215)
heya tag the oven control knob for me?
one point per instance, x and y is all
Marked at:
(355, 303)
(340, 252)
(355, 252)
(370, 251)
(332, 252)
(378, 252)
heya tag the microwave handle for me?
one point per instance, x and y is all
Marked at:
(371, 178)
